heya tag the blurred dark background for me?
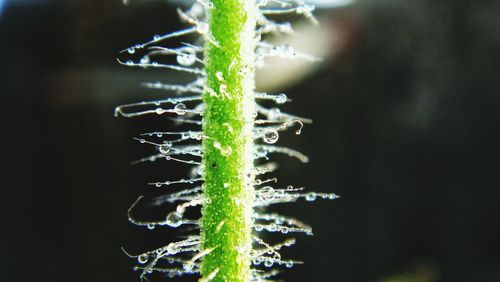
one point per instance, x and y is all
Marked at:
(406, 112)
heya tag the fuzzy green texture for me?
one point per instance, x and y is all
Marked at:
(226, 227)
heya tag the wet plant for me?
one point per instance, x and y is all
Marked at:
(229, 153)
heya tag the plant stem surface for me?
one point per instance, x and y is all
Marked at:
(226, 223)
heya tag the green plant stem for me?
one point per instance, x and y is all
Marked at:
(226, 223)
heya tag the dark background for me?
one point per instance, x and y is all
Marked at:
(406, 131)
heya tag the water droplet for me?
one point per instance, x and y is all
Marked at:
(257, 261)
(281, 98)
(164, 149)
(332, 196)
(274, 113)
(311, 197)
(225, 151)
(156, 37)
(184, 135)
(180, 109)
(151, 226)
(268, 263)
(142, 259)
(159, 111)
(144, 60)
(173, 248)
(289, 264)
(174, 219)
(271, 136)
(186, 57)
(129, 63)
(131, 50)
(267, 193)
(158, 184)
(142, 141)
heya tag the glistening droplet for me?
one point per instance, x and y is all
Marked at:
(267, 193)
(180, 109)
(271, 136)
(268, 263)
(164, 149)
(173, 248)
(281, 98)
(142, 259)
(274, 113)
(311, 197)
(174, 219)
(187, 57)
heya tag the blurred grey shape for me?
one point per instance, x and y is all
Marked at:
(330, 3)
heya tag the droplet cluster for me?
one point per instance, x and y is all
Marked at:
(184, 256)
